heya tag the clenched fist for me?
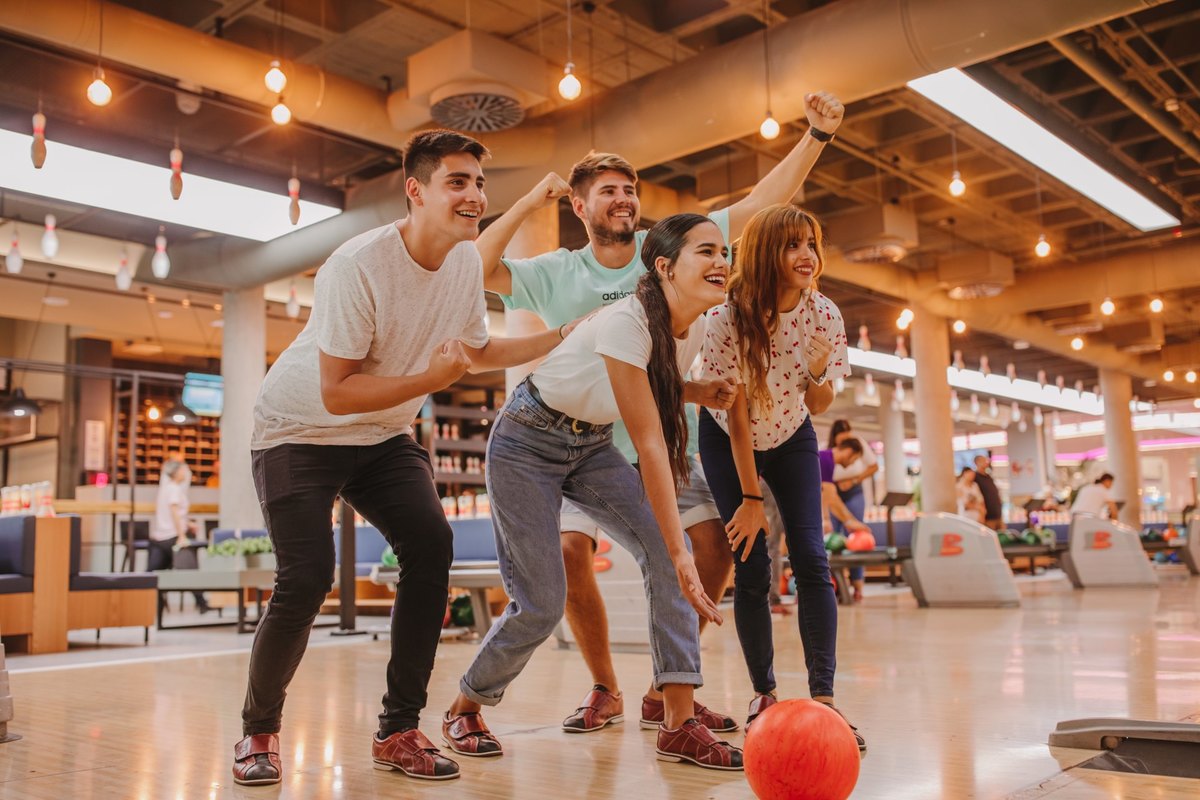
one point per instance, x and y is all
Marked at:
(447, 363)
(548, 190)
(824, 111)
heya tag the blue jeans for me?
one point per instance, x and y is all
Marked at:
(535, 457)
(793, 473)
(856, 503)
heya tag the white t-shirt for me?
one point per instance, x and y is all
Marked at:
(573, 379)
(1092, 499)
(787, 375)
(170, 494)
(372, 302)
(860, 465)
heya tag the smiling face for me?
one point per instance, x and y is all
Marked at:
(799, 263)
(697, 276)
(453, 200)
(609, 208)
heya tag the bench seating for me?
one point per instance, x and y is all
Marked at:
(108, 599)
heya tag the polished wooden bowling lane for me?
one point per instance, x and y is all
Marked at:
(954, 704)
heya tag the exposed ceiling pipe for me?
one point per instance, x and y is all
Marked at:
(1100, 73)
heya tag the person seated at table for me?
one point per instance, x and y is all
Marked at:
(1096, 497)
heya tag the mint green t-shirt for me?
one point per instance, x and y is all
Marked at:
(564, 285)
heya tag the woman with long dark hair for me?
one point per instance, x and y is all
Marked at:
(554, 439)
(785, 343)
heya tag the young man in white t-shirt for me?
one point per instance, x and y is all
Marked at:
(1096, 498)
(565, 284)
(398, 313)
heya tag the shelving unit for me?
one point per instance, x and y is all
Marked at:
(470, 411)
(199, 443)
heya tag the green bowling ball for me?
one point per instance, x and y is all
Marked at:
(388, 559)
(835, 543)
(1006, 538)
(1030, 536)
(461, 613)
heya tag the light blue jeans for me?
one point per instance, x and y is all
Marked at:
(535, 457)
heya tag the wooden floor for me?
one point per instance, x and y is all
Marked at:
(955, 704)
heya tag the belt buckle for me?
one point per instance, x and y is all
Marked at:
(575, 429)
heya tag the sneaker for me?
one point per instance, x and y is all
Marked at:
(600, 708)
(858, 737)
(413, 754)
(654, 712)
(759, 704)
(466, 734)
(694, 743)
(256, 760)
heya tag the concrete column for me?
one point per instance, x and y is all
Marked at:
(935, 427)
(1050, 448)
(1121, 443)
(243, 365)
(891, 425)
(538, 234)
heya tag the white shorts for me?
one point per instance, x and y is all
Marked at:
(695, 506)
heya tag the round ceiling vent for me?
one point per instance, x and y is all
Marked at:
(478, 112)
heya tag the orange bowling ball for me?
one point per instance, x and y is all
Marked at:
(860, 542)
(801, 750)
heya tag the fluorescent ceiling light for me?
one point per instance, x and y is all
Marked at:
(1023, 391)
(958, 93)
(132, 187)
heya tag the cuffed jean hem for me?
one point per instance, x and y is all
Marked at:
(678, 678)
(476, 697)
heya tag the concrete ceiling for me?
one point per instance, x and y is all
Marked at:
(896, 148)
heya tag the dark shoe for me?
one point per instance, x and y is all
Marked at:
(654, 712)
(414, 755)
(759, 704)
(466, 734)
(696, 744)
(600, 708)
(862, 743)
(256, 760)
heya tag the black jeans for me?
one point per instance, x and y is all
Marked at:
(160, 554)
(391, 485)
(793, 473)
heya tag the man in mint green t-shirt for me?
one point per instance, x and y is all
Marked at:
(564, 285)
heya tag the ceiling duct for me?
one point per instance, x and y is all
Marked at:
(876, 234)
(975, 273)
(1143, 335)
(470, 81)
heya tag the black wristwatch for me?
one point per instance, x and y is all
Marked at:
(819, 135)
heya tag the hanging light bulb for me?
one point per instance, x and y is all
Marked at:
(1156, 305)
(275, 80)
(1016, 412)
(959, 326)
(50, 238)
(901, 348)
(1169, 375)
(161, 262)
(1107, 307)
(769, 129)
(37, 149)
(1037, 416)
(869, 384)
(1077, 343)
(1011, 371)
(905, 319)
(975, 404)
(954, 402)
(864, 341)
(99, 92)
(993, 408)
(124, 277)
(569, 86)
(153, 413)
(294, 204)
(280, 113)
(1190, 376)
(1041, 377)
(176, 171)
(293, 305)
(958, 360)
(13, 261)
(957, 187)
(1042, 248)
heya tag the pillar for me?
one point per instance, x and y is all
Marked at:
(537, 235)
(935, 426)
(891, 424)
(243, 365)
(1121, 444)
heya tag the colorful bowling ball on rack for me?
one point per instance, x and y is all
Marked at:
(1007, 538)
(835, 543)
(1030, 536)
(860, 542)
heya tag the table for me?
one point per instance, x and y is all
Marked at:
(476, 576)
(205, 580)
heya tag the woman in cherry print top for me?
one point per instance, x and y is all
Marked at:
(784, 343)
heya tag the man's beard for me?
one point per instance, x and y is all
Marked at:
(606, 236)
